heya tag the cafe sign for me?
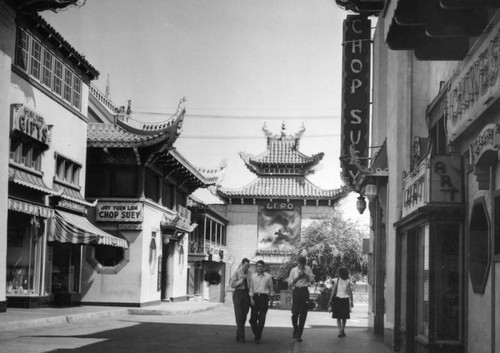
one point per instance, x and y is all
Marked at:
(30, 123)
(120, 212)
(355, 96)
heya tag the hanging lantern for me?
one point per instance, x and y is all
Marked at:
(370, 192)
(361, 204)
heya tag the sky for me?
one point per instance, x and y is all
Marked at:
(239, 63)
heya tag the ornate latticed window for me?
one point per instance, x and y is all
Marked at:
(479, 259)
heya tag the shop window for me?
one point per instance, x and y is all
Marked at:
(24, 249)
(68, 171)
(180, 198)
(479, 259)
(166, 195)
(124, 182)
(108, 259)
(151, 187)
(447, 281)
(25, 152)
(39, 62)
(66, 259)
(98, 181)
(497, 224)
(438, 137)
(423, 281)
(58, 76)
(109, 255)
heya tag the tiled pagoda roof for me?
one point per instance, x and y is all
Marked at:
(282, 151)
(127, 132)
(293, 187)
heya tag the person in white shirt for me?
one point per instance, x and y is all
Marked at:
(341, 301)
(241, 300)
(300, 278)
(261, 289)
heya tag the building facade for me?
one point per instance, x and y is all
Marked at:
(434, 280)
(140, 184)
(47, 228)
(266, 216)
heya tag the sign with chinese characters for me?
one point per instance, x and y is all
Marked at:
(30, 123)
(119, 211)
(475, 85)
(355, 95)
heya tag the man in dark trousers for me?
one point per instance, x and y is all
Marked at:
(241, 299)
(261, 289)
(300, 278)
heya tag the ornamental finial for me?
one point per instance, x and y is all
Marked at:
(283, 129)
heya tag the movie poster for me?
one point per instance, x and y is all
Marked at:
(279, 230)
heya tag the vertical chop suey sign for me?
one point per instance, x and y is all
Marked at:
(355, 95)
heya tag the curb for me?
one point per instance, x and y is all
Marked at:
(145, 311)
(71, 318)
(64, 319)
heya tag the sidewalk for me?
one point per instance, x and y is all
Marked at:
(16, 319)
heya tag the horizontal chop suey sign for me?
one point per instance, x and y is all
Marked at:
(119, 212)
(355, 94)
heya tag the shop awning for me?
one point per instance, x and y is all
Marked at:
(71, 228)
(29, 180)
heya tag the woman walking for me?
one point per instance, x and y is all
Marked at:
(341, 300)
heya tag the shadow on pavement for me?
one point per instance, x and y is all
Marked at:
(163, 337)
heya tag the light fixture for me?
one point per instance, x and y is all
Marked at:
(370, 192)
(361, 204)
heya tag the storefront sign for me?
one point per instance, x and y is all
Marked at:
(475, 86)
(446, 184)
(31, 209)
(279, 206)
(488, 139)
(355, 95)
(438, 180)
(72, 206)
(30, 123)
(130, 226)
(119, 212)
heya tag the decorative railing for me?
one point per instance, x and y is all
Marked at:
(101, 97)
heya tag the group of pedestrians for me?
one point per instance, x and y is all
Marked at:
(252, 291)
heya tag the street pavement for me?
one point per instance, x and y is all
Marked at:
(174, 327)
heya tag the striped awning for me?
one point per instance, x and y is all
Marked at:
(71, 228)
(29, 180)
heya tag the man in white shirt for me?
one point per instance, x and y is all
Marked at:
(300, 278)
(261, 289)
(241, 300)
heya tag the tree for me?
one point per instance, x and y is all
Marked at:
(329, 243)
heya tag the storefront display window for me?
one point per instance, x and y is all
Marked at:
(423, 280)
(24, 250)
(66, 265)
(446, 277)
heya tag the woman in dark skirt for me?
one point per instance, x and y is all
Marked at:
(341, 300)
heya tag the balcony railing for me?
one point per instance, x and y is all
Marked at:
(101, 97)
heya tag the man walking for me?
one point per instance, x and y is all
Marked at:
(261, 288)
(241, 299)
(300, 278)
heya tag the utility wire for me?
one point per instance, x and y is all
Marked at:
(250, 117)
(253, 137)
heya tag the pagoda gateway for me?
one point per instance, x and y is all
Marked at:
(266, 216)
